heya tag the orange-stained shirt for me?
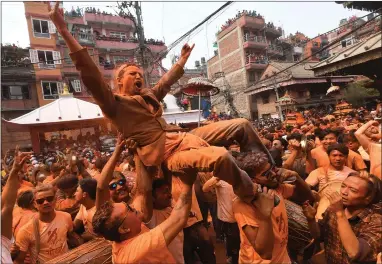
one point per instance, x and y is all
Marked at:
(66, 204)
(375, 153)
(53, 237)
(86, 217)
(322, 176)
(147, 247)
(176, 246)
(48, 179)
(20, 218)
(246, 214)
(354, 160)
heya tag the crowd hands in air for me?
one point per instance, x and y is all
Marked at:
(276, 194)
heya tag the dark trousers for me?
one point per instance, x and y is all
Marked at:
(232, 239)
(197, 240)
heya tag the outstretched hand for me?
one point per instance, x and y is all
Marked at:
(57, 16)
(20, 159)
(186, 51)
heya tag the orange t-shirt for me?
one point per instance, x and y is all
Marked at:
(48, 179)
(246, 214)
(86, 217)
(53, 237)
(20, 218)
(147, 247)
(354, 161)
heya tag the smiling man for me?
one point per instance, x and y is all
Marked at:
(351, 228)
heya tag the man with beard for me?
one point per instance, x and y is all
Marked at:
(263, 227)
(157, 141)
(351, 228)
(118, 222)
(120, 188)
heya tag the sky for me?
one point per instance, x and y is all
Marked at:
(169, 20)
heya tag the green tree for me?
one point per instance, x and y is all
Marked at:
(356, 93)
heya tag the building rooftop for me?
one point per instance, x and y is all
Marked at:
(343, 58)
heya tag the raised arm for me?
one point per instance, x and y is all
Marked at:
(90, 74)
(210, 184)
(102, 194)
(144, 189)
(173, 75)
(179, 215)
(9, 194)
(361, 136)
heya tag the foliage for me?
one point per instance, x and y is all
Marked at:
(356, 93)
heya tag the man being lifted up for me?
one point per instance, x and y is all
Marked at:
(136, 112)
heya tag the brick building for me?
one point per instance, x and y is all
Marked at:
(18, 93)
(245, 46)
(108, 38)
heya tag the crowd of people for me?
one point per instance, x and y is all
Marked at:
(238, 15)
(335, 164)
(279, 194)
(255, 57)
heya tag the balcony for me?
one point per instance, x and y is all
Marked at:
(254, 22)
(275, 50)
(271, 30)
(83, 38)
(256, 62)
(109, 43)
(256, 42)
(108, 19)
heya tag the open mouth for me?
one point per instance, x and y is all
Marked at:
(138, 84)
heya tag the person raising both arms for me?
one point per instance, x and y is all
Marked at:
(157, 141)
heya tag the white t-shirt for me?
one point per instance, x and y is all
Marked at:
(225, 195)
(318, 176)
(5, 250)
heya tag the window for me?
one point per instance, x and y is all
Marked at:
(265, 99)
(76, 85)
(43, 28)
(15, 92)
(51, 90)
(45, 58)
(118, 35)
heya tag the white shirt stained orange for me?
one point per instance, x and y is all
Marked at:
(53, 237)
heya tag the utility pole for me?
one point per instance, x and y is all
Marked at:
(141, 40)
(277, 98)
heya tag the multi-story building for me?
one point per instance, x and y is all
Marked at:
(346, 26)
(18, 94)
(245, 45)
(108, 38)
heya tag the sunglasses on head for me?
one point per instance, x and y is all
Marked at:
(49, 199)
(113, 186)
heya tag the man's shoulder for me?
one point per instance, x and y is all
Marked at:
(62, 215)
